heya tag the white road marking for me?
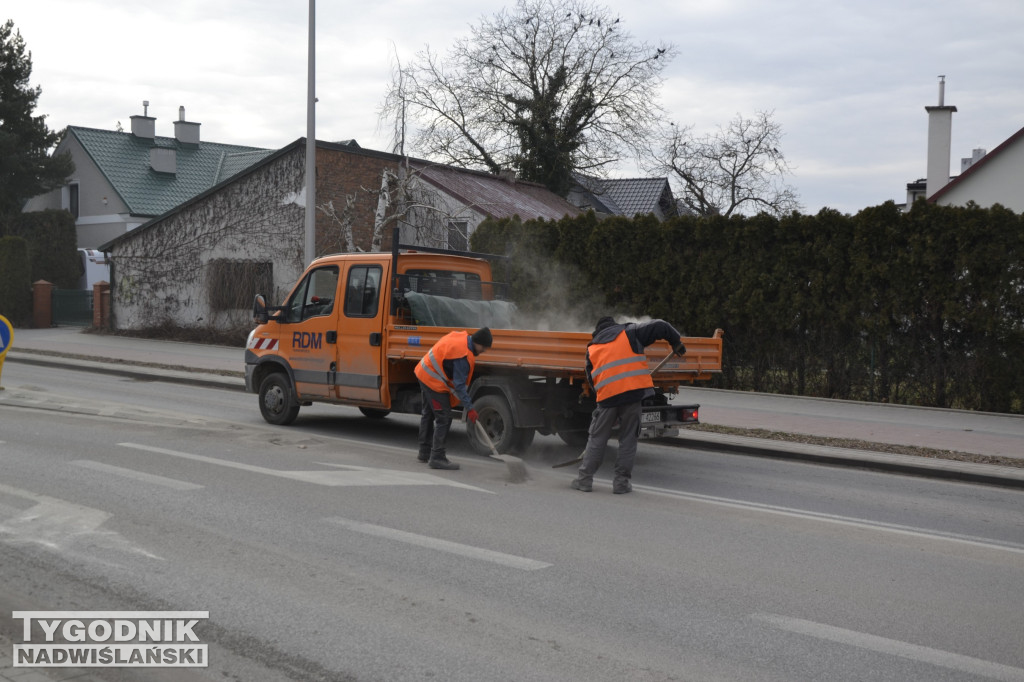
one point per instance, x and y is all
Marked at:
(172, 483)
(470, 551)
(914, 652)
(353, 476)
(839, 520)
(61, 525)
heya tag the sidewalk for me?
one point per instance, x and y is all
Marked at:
(972, 432)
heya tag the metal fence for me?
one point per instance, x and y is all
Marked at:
(72, 307)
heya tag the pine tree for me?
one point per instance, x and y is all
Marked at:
(26, 167)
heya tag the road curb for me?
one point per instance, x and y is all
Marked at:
(132, 371)
(990, 474)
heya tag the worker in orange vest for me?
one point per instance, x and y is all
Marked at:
(618, 373)
(445, 373)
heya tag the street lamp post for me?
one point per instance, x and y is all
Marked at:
(310, 223)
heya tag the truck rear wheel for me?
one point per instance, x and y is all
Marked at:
(277, 401)
(374, 413)
(496, 418)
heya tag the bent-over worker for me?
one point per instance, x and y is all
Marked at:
(445, 373)
(617, 371)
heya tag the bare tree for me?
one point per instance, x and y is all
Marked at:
(738, 169)
(402, 199)
(547, 88)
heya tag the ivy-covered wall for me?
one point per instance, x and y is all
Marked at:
(924, 307)
(194, 272)
(170, 273)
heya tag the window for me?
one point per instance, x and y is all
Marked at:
(458, 235)
(73, 200)
(314, 296)
(232, 284)
(445, 283)
(363, 291)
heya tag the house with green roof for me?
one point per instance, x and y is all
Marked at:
(124, 179)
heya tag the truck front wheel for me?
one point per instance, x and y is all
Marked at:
(496, 418)
(277, 401)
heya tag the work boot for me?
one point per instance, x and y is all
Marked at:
(621, 486)
(577, 484)
(423, 457)
(442, 463)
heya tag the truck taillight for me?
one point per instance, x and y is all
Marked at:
(689, 415)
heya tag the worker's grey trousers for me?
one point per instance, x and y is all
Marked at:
(435, 421)
(601, 425)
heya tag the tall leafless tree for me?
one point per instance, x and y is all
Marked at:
(547, 88)
(737, 169)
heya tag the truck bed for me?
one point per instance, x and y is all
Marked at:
(558, 354)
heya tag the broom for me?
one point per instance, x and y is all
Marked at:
(516, 469)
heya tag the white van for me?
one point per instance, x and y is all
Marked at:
(96, 268)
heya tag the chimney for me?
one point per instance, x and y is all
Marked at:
(144, 126)
(186, 132)
(940, 132)
(508, 175)
(975, 157)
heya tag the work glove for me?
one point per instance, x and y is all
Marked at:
(472, 416)
(679, 349)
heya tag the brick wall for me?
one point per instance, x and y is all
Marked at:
(347, 173)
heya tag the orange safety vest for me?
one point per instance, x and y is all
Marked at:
(430, 370)
(618, 368)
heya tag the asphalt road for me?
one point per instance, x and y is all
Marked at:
(324, 551)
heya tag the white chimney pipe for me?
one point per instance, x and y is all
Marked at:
(940, 133)
(186, 132)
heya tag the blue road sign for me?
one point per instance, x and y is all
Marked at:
(6, 334)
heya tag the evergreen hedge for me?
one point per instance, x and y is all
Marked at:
(15, 281)
(52, 245)
(924, 307)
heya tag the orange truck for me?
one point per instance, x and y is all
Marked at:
(353, 328)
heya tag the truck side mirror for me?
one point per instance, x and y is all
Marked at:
(259, 310)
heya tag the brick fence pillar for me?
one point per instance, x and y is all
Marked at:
(42, 304)
(101, 305)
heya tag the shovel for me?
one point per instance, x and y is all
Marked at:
(580, 458)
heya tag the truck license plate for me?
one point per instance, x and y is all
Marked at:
(648, 417)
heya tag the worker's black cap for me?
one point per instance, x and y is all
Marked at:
(604, 323)
(482, 337)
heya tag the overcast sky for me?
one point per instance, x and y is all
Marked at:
(847, 80)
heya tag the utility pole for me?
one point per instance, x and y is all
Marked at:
(310, 231)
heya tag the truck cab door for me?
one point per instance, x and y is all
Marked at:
(360, 353)
(309, 318)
